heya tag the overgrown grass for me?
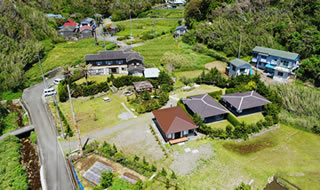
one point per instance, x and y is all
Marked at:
(140, 27)
(301, 106)
(10, 122)
(220, 124)
(163, 13)
(154, 50)
(67, 53)
(9, 95)
(286, 152)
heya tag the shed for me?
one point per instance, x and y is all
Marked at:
(143, 86)
(239, 67)
(151, 73)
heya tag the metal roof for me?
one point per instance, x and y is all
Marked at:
(94, 173)
(113, 55)
(151, 72)
(245, 100)
(276, 53)
(238, 62)
(204, 105)
(174, 119)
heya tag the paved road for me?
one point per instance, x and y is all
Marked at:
(56, 173)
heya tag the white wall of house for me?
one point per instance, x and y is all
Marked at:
(236, 71)
(106, 70)
(280, 76)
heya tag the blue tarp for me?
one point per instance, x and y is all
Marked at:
(270, 66)
(251, 72)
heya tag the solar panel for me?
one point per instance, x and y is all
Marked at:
(93, 174)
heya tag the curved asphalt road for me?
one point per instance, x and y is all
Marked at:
(52, 158)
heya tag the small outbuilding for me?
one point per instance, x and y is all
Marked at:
(245, 102)
(151, 73)
(206, 107)
(239, 67)
(180, 30)
(174, 123)
(142, 86)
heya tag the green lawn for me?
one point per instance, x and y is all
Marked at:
(67, 53)
(286, 151)
(154, 50)
(95, 113)
(9, 95)
(165, 13)
(252, 118)
(220, 124)
(140, 27)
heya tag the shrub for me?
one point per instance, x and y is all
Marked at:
(215, 94)
(316, 129)
(33, 137)
(233, 120)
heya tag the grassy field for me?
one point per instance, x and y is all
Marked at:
(165, 13)
(140, 27)
(95, 113)
(286, 151)
(220, 124)
(67, 53)
(155, 49)
(251, 118)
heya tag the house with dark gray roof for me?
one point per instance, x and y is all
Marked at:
(116, 62)
(245, 102)
(280, 64)
(206, 107)
(180, 30)
(239, 67)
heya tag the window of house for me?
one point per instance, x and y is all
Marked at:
(123, 68)
(138, 63)
(99, 62)
(242, 70)
(280, 74)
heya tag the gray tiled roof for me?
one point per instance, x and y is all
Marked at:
(113, 55)
(204, 105)
(238, 62)
(277, 53)
(245, 100)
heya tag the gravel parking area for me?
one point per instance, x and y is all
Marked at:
(188, 161)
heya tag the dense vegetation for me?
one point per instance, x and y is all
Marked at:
(301, 107)
(12, 175)
(291, 25)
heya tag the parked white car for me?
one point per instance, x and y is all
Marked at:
(49, 92)
(57, 81)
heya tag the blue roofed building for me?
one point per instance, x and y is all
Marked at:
(281, 64)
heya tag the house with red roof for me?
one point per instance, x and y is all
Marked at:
(70, 23)
(174, 124)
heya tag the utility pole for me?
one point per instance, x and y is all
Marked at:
(239, 46)
(56, 102)
(130, 26)
(44, 79)
(75, 122)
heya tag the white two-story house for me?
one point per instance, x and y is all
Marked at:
(281, 64)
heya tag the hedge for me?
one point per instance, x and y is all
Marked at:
(215, 94)
(233, 120)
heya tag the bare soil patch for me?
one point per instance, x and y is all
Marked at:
(221, 66)
(250, 146)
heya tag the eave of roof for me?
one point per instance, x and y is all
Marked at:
(277, 53)
(245, 100)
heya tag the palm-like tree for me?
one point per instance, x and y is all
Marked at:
(84, 68)
(66, 72)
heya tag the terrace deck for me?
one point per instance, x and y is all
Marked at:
(176, 141)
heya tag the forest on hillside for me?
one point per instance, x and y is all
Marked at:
(291, 25)
(27, 32)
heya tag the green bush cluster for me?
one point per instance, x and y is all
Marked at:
(126, 80)
(232, 119)
(212, 77)
(142, 167)
(202, 49)
(67, 128)
(33, 137)
(215, 94)
(92, 89)
(12, 174)
(146, 103)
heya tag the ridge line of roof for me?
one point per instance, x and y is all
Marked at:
(240, 103)
(209, 104)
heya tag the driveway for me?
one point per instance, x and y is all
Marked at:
(52, 158)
